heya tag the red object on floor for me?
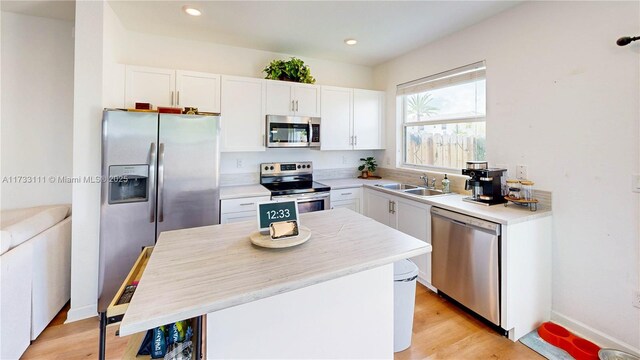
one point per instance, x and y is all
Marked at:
(576, 346)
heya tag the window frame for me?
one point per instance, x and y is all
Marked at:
(404, 125)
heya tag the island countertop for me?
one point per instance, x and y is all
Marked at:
(197, 271)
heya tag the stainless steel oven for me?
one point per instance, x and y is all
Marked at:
(309, 202)
(292, 131)
(295, 181)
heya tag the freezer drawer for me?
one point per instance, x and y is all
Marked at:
(466, 260)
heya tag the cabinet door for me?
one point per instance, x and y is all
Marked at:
(149, 85)
(414, 218)
(377, 206)
(335, 127)
(367, 119)
(200, 90)
(243, 114)
(279, 98)
(307, 100)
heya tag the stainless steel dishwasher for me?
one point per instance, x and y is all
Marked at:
(465, 261)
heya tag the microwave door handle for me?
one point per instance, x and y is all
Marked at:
(310, 139)
(152, 182)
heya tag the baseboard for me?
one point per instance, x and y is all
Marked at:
(592, 334)
(82, 313)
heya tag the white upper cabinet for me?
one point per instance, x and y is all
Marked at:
(307, 99)
(199, 90)
(351, 119)
(149, 85)
(335, 126)
(285, 98)
(243, 112)
(367, 119)
(174, 88)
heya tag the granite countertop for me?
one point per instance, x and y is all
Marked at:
(196, 271)
(511, 214)
(337, 184)
(235, 192)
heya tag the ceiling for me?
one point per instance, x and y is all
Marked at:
(313, 29)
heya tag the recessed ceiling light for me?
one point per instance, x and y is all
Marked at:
(191, 10)
(350, 41)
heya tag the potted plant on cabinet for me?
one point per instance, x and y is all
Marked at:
(368, 167)
(289, 70)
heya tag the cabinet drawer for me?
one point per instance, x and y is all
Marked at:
(346, 194)
(228, 218)
(242, 204)
(134, 276)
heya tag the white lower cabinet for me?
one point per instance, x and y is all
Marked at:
(409, 216)
(414, 218)
(350, 198)
(242, 209)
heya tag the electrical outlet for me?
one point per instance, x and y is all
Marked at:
(238, 163)
(521, 172)
(636, 299)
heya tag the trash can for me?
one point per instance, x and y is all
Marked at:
(405, 273)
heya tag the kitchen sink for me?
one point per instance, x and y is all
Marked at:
(424, 192)
(400, 187)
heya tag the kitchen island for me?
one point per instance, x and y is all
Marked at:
(331, 297)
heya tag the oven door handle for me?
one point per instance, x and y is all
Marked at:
(303, 198)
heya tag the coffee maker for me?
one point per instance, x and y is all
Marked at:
(485, 184)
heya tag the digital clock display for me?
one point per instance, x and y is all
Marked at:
(287, 167)
(276, 211)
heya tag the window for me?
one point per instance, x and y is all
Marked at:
(443, 118)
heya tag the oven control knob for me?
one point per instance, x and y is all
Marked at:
(266, 168)
(299, 166)
(271, 168)
(308, 166)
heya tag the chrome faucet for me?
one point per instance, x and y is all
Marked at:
(425, 178)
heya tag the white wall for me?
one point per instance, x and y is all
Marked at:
(563, 99)
(87, 114)
(37, 116)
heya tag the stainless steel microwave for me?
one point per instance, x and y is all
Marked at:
(292, 131)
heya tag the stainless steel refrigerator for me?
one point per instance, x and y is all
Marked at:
(162, 174)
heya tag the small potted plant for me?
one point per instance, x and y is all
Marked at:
(368, 167)
(289, 70)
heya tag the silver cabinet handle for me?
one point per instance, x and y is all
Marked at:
(246, 204)
(293, 105)
(178, 100)
(296, 105)
(152, 182)
(161, 183)
(345, 193)
(390, 207)
(172, 98)
(355, 140)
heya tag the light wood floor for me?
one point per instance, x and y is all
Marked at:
(440, 331)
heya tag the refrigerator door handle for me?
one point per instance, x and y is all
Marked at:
(152, 182)
(161, 183)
